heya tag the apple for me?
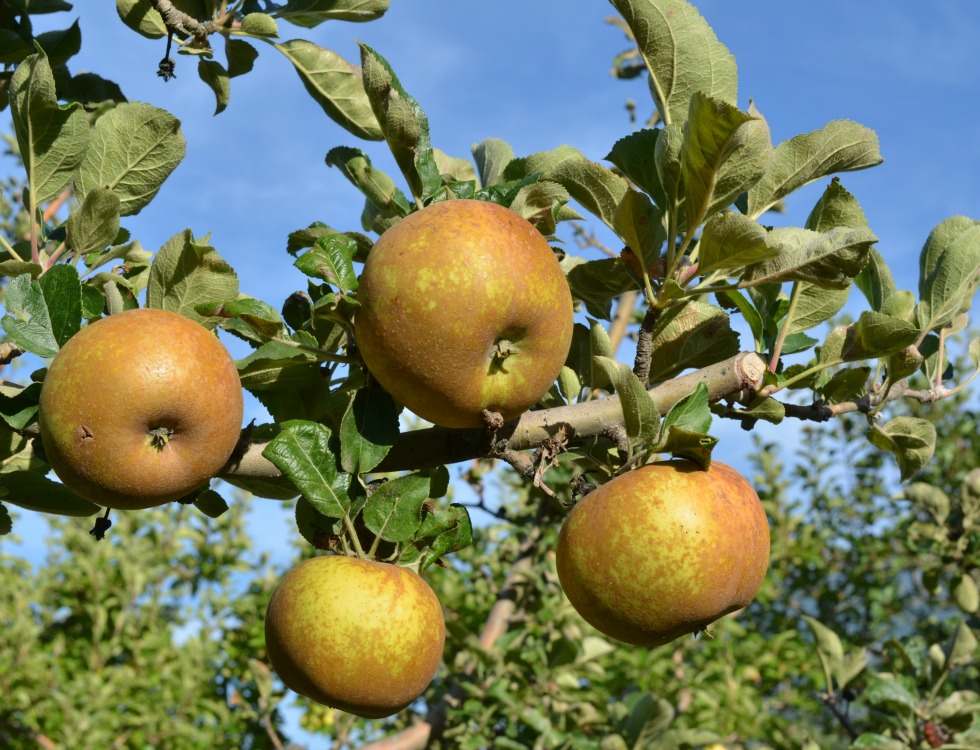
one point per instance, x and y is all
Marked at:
(361, 636)
(140, 408)
(663, 551)
(463, 307)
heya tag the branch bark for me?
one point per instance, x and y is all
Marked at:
(435, 446)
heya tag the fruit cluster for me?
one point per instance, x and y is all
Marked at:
(463, 311)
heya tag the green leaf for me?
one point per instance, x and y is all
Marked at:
(394, 510)
(640, 413)
(681, 52)
(597, 282)
(93, 225)
(376, 186)
(966, 595)
(302, 452)
(836, 208)
(368, 430)
(185, 273)
(335, 85)
(59, 46)
(331, 259)
(878, 335)
(960, 649)
(210, 503)
(635, 156)
(829, 260)
(891, 695)
(217, 78)
(141, 17)
(640, 225)
(598, 190)
(911, 439)
(815, 306)
(450, 530)
(257, 315)
(730, 242)
(845, 385)
(44, 313)
(34, 491)
(879, 741)
(839, 146)
(543, 204)
(18, 405)
(492, 155)
(725, 152)
(134, 148)
(695, 335)
(260, 25)
(310, 13)
(52, 140)
(277, 366)
(876, 281)
(667, 157)
(930, 499)
(6, 522)
(692, 412)
(541, 162)
(403, 123)
(949, 266)
(241, 57)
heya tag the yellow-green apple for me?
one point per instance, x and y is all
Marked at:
(664, 550)
(463, 307)
(140, 408)
(362, 636)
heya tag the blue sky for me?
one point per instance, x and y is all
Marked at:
(537, 75)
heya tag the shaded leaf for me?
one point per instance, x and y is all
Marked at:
(43, 313)
(302, 452)
(394, 510)
(911, 439)
(93, 225)
(641, 415)
(695, 335)
(368, 430)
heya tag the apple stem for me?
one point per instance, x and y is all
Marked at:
(352, 533)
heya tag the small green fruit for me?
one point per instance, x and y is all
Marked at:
(361, 636)
(664, 550)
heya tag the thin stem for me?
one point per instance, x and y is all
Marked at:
(940, 355)
(352, 532)
(777, 349)
(10, 249)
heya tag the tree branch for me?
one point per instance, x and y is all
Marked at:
(644, 345)
(435, 446)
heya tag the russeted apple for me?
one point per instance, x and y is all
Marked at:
(362, 636)
(664, 550)
(140, 408)
(463, 307)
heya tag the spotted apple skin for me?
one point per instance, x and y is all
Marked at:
(663, 551)
(361, 636)
(140, 408)
(464, 307)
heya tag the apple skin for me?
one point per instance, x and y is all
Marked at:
(664, 550)
(443, 292)
(357, 635)
(121, 377)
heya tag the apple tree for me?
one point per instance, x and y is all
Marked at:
(729, 317)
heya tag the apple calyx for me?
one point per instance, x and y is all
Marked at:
(159, 437)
